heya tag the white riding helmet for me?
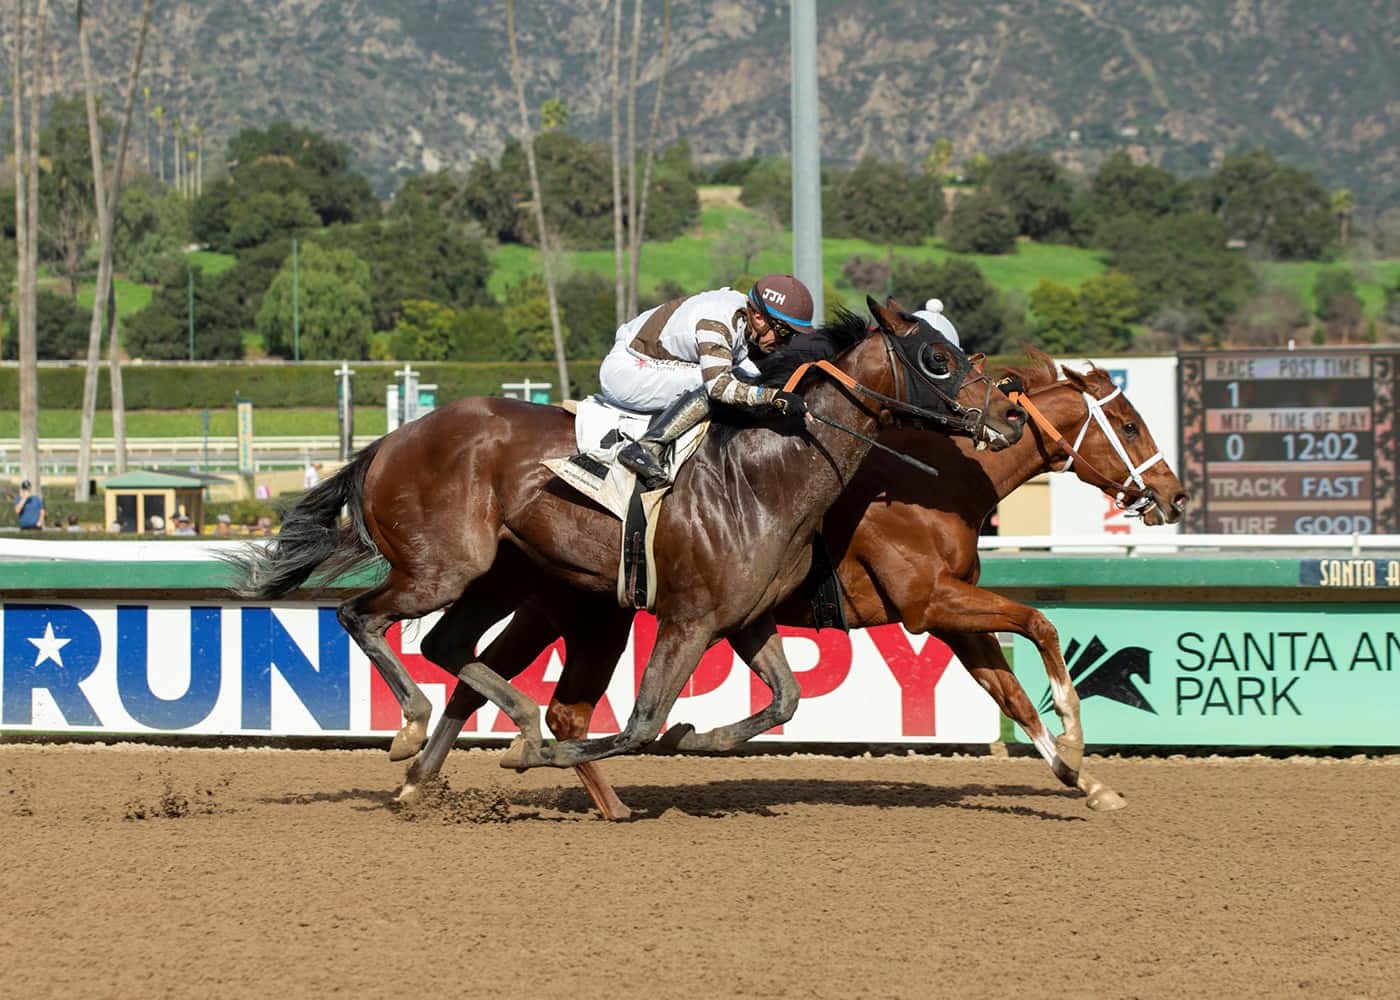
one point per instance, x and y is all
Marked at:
(932, 314)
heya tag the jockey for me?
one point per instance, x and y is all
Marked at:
(674, 359)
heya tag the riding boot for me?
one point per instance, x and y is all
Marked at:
(643, 456)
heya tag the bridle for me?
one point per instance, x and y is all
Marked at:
(1134, 500)
(968, 419)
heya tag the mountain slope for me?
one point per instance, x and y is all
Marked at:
(414, 84)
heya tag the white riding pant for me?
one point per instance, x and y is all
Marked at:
(647, 385)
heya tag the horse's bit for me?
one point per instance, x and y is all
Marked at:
(1133, 501)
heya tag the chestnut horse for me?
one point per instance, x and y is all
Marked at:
(461, 509)
(905, 549)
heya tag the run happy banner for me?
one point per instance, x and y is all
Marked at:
(290, 670)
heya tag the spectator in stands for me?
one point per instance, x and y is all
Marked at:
(29, 508)
(73, 524)
(156, 522)
(225, 525)
(183, 525)
(312, 475)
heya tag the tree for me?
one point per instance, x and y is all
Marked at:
(936, 163)
(1269, 319)
(768, 186)
(479, 334)
(1111, 303)
(332, 305)
(1035, 189)
(586, 300)
(27, 90)
(1338, 305)
(266, 216)
(527, 141)
(285, 169)
(1182, 262)
(425, 332)
(554, 115)
(161, 331)
(978, 312)
(744, 238)
(1343, 204)
(106, 196)
(60, 329)
(415, 256)
(527, 320)
(884, 202)
(982, 223)
(1282, 213)
(152, 229)
(66, 210)
(621, 267)
(1059, 318)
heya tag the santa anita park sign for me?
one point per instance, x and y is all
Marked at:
(1286, 675)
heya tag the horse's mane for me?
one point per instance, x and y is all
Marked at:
(823, 344)
(1041, 371)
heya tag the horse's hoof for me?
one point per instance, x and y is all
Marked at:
(671, 741)
(409, 740)
(1099, 796)
(1071, 752)
(409, 795)
(522, 755)
(1106, 800)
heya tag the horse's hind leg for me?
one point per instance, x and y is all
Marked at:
(451, 645)
(592, 645)
(981, 654)
(673, 659)
(366, 618)
(762, 648)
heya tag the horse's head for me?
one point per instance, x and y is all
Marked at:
(1115, 441)
(940, 385)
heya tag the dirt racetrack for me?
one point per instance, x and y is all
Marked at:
(139, 872)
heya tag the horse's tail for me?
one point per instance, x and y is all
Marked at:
(311, 537)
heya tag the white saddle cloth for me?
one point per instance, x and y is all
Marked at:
(595, 471)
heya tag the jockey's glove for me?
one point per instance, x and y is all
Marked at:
(1010, 384)
(789, 404)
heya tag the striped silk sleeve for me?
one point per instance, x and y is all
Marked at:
(716, 353)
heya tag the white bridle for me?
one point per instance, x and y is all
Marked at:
(1096, 415)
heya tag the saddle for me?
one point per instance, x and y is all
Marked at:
(601, 429)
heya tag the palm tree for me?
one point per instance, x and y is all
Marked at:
(199, 168)
(107, 195)
(1343, 204)
(27, 231)
(177, 134)
(528, 141)
(159, 115)
(639, 233)
(619, 244)
(632, 147)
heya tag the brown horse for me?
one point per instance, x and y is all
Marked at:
(461, 509)
(906, 551)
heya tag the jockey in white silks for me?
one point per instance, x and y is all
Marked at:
(672, 360)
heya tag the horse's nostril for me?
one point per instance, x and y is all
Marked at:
(1181, 500)
(1016, 415)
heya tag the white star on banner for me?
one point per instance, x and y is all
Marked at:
(49, 646)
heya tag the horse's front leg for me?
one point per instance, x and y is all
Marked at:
(673, 659)
(981, 654)
(762, 649)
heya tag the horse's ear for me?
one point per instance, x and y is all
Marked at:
(890, 317)
(1075, 378)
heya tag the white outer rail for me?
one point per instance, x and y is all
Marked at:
(1133, 544)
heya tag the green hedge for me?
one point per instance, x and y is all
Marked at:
(192, 387)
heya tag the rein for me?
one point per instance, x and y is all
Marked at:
(1135, 499)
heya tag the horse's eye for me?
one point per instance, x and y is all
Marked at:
(1130, 429)
(934, 363)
